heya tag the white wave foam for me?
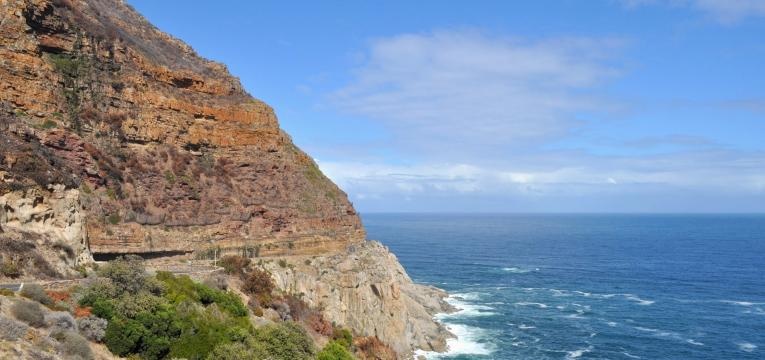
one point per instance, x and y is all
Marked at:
(517, 270)
(471, 296)
(557, 292)
(670, 335)
(639, 300)
(630, 355)
(465, 309)
(746, 346)
(656, 331)
(611, 324)
(539, 305)
(577, 353)
(526, 327)
(470, 341)
(741, 303)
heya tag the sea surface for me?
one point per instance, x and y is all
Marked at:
(590, 286)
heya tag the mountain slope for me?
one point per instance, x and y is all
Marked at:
(116, 138)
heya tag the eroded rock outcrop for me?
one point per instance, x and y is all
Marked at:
(366, 288)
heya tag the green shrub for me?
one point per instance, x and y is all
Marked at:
(343, 337)
(100, 295)
(285, 341)
(123, 336)
(126, 273)
(200, 334)
(7, 292)
(282, 263)
(182, 288)
(36, 293)
(10, 269)
(130, 305)
(114, 219)
(74, 345)
(103, 308)
(334, 351)
(29, 312)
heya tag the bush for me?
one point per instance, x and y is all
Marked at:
(74, 345)
(126, 273)
(217, 281)
(343, 337)
(282, 263)
(114, 219)
(103, 308)
(182, 288)
(96, 289)
(259, 283)
(10, 269)
(131, 305)
(11, 329)
(29, 312)
(334, 351)
(92, 328)
(287, 341)
(123, 336)
(60, 321)
(36, 293)
(234, 264)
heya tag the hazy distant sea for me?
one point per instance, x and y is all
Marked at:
(591, 286)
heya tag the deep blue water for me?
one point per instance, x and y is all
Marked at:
(591, 286)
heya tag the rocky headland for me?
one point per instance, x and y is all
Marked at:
(116, 138)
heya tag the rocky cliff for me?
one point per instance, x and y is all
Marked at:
(170, 151)
(117, 138)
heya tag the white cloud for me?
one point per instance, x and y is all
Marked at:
(476, 116)
(572, 175)
(462, 93)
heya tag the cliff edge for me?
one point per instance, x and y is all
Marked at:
(117, 138)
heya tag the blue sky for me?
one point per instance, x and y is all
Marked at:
(507, 106)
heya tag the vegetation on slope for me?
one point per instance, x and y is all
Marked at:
(163, 316)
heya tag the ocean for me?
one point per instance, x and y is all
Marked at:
(590, 286)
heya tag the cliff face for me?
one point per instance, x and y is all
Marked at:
(166, 149)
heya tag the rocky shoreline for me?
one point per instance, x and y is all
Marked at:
(365, 287)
